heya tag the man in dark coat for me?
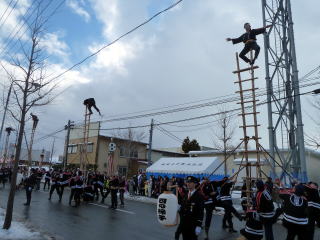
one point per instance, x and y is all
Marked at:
(250, 42)
(29, 185)
(191, 211)
(90, 102)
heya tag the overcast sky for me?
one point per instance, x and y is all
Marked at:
(180, 57)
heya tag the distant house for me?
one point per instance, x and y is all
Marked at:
(130, 156)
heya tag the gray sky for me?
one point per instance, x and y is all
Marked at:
(180, 57)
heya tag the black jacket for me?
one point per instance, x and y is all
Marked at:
(192, 208)
(31, 180)
(208, 192)
(295, 209)
(248, 36)
(225, 189)
(313, 197)
(254, 227)
(264, 204)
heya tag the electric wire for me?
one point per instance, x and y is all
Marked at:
(14, 6)
(117, 39)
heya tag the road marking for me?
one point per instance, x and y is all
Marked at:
(120, 210)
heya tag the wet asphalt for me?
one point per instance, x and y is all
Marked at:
(93, 221)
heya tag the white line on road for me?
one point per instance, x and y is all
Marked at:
(120, 210)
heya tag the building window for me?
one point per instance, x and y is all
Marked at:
(122, 171)
(122, 151)
(127, 153)
(134, 154)
(90, 147)
(72, 148)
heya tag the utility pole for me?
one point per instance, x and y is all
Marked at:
(41, 158)
(5, 153)
(150, 143)
(67, 127)
(52, 149)
(5, 110)
(225, 146)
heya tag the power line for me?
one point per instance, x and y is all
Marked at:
(168, 132)
(5, 11)
(14, 6)
(183, 120)
(117, 39)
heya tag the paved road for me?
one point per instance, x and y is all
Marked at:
(95, 221)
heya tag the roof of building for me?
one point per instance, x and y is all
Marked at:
(123, 139)
(171, 152)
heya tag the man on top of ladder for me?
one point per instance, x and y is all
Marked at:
(250, 42)
(90, 102)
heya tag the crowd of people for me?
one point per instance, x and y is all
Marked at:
(83, 187)
(299, 207)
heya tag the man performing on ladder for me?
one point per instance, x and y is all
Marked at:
(89, 103)
(250, 42)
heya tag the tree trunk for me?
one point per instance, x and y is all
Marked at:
(9, 210)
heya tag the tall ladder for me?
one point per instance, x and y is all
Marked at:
(84, 156)
(248, 103)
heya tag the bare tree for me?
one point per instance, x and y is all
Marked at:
(223, 133)
(31, 88)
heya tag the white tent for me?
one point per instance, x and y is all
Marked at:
(184, 166)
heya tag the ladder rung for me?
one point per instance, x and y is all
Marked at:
(258, 125)
(249, 164)
(246, 69)
(250, 139)
(246, 90)
(248, 113)
(251, 151)
(245, 80)
(249, 101)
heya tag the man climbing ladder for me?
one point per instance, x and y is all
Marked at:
(250, 42)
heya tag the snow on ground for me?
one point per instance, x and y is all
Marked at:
(140, 198)
(17, 231)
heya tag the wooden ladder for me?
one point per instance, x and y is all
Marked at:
(248, 103)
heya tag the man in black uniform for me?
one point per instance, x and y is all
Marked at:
(182, 192)
(209, 194)
(29, 185)
(226, 202)
(79, 188)
(312, 195)
(39, 178)
(47, 179)
(295, 217)
(122, 189)
(55, 184)
(72, 185)
(254, 227)
(191, 211)
(98, 185)
(250, 42)
(90, 102)
(114, 185)
(265, 209)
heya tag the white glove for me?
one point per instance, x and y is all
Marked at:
(198, 230)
